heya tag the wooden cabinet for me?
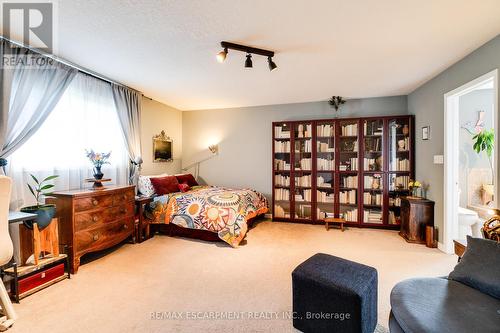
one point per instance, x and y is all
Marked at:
(93, 220)
(416, 214)
(355, 168)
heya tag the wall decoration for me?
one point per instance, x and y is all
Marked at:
(162, 148)
(426, 132)
(335, 102)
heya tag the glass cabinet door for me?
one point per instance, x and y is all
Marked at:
(399, 165)
(348, 196)
(349, 145)
(302, 170)
(373, 145)
(281, 170)
(325, 195)
(373, 198)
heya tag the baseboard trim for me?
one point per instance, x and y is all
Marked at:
(442, 248)
(268, 216)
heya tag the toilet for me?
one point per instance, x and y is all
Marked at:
(468, 223)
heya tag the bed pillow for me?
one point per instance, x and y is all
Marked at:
(144, 185)
(184, 187)
(187, 178)
(479, 267)
(165, 185)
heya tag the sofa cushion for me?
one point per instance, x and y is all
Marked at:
(479, 267)
(442, 305)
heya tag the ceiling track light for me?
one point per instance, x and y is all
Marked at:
(221, 56)
(248, 61)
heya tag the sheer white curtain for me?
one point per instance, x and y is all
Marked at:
(84, 118)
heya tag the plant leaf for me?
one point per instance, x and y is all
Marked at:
(34, 178)
(31, 190)
(46, 187)
(50, 178)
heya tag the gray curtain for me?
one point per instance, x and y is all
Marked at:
(31, 86)
(128, 105)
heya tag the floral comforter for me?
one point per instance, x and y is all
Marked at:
(216, 209)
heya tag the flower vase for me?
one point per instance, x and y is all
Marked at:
(98, 173)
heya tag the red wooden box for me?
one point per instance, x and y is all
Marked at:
(43, 277)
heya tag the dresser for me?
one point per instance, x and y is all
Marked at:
(416, 214)
(93, 220)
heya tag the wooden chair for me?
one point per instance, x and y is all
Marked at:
(6, 251)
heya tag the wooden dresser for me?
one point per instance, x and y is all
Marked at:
(93, 220)
(416, 214)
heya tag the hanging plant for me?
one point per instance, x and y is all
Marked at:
(335, 102)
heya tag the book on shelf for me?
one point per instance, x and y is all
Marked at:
(350, 130)
(326, 197)
(350, 215)
(373, 144)
(324, 147)
(395, 202)
(392, 218)
(372, 182)
(304, 164)
(350, 181)
(279, 133)
(303, 181)
(399, 182)
(304, 131)
(372, 198)
(325, 164)
(325, 130)
(281, 165)
(281, 194)
(281, 180)
(281, 146)
(348, 197)
(303, 146)
(400, 164)
(323, 214)
(373, 216)
(279, 211)
(303, 211)
(304, 195)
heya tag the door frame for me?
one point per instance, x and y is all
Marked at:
(451, 154)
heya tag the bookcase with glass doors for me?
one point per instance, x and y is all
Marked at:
(355, 168)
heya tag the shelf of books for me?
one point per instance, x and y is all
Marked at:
(355, 168)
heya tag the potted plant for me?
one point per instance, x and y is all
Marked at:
(485, 141)
(45, 213)
(335, 102)
(414, 185)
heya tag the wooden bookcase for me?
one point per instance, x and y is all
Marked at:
(358, 168)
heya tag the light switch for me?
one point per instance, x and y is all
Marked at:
(438, 159)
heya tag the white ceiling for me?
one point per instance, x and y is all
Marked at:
(355, 48)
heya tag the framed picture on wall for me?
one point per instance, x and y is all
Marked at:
(162, 148)
(426, 132)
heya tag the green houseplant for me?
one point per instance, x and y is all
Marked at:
(484, 141)
(45, 212)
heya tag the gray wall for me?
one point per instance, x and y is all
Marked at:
(470, 105)
(245, 136)
(427, 104)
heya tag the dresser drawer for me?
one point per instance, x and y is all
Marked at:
(104, 236)
(93, 219)
(123, 197)
(83, 204)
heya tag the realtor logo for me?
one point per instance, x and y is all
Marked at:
(31, 23)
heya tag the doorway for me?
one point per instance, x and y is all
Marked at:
(470, 177)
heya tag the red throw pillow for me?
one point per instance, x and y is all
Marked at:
(165, 185)
(187, 178)
(184, 187)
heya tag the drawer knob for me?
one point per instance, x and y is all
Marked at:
(123, 210)
(95, 237)
(95, 202)
(95, 218)
(125, 226)
(124, 197)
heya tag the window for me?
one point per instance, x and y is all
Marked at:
(84, 118)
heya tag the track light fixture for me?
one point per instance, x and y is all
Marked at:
(272, 65)
(248, 61)
(221, 56)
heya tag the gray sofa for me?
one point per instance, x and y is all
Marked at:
(468, 300)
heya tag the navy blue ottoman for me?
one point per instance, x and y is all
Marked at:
(331, 294)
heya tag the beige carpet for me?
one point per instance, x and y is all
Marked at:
(120, 291)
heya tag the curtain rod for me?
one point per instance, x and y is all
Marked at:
(73, 65)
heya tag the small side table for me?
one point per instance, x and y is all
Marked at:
(460, 246)
(334, 220)
(142, 225)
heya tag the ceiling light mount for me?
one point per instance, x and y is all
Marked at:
(249, 51)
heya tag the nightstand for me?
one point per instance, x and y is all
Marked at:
(142, 224)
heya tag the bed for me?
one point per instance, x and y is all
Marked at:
(207, 212)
